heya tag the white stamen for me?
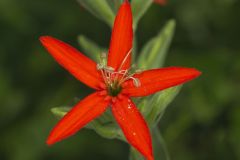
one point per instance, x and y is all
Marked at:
(99, 66)
(136, 82)
(124, 60)
(110, 76)
(109, 69)
(103, 58)
(103, 55)
(138, 71)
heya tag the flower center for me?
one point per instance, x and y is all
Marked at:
(114, 89)
(114, 79)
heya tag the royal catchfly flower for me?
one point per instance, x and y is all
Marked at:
(115, 83)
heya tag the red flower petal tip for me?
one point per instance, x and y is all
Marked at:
(43, 38)
(161, 2)
(195, 72)
(119, 56)
(50, 141)
(150, 158)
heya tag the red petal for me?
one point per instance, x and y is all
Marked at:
(161, 2)
(121, 40)
(133, 126)
(85, 111)
(158, 79)
(80, 66)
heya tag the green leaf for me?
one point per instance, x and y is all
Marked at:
(109, 131)
(100, 8)
(159, 147)
(115, 4)
(159, 103)
(139, 7)
(90, 48)
(135, 155)
(134, 50)
(141, 104)
(154, 52)
(59, 112)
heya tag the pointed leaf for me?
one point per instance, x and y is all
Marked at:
(99, 8)
(115, 4)
(141, 104)
(59, 112)
(139, 7)
(154, 52)
(109, 131)
(135, 155)
(90, 48)
(160, 148)
(161, 2)
(159, 102)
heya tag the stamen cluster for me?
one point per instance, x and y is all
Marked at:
(114, 79)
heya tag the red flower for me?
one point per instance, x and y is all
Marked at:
(114, 85)
(161, 2)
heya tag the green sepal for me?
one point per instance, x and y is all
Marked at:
(90, 48)
(139, 7)
(154, 52)
(99, 8)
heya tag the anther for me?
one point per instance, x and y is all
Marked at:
(109, 69)
(136, 82)
(138, 71)
(103, 55)
(103, 58)
(99, 66)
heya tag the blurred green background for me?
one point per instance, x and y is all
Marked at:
(202, 122)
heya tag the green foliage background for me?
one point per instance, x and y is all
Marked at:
(201, 123)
